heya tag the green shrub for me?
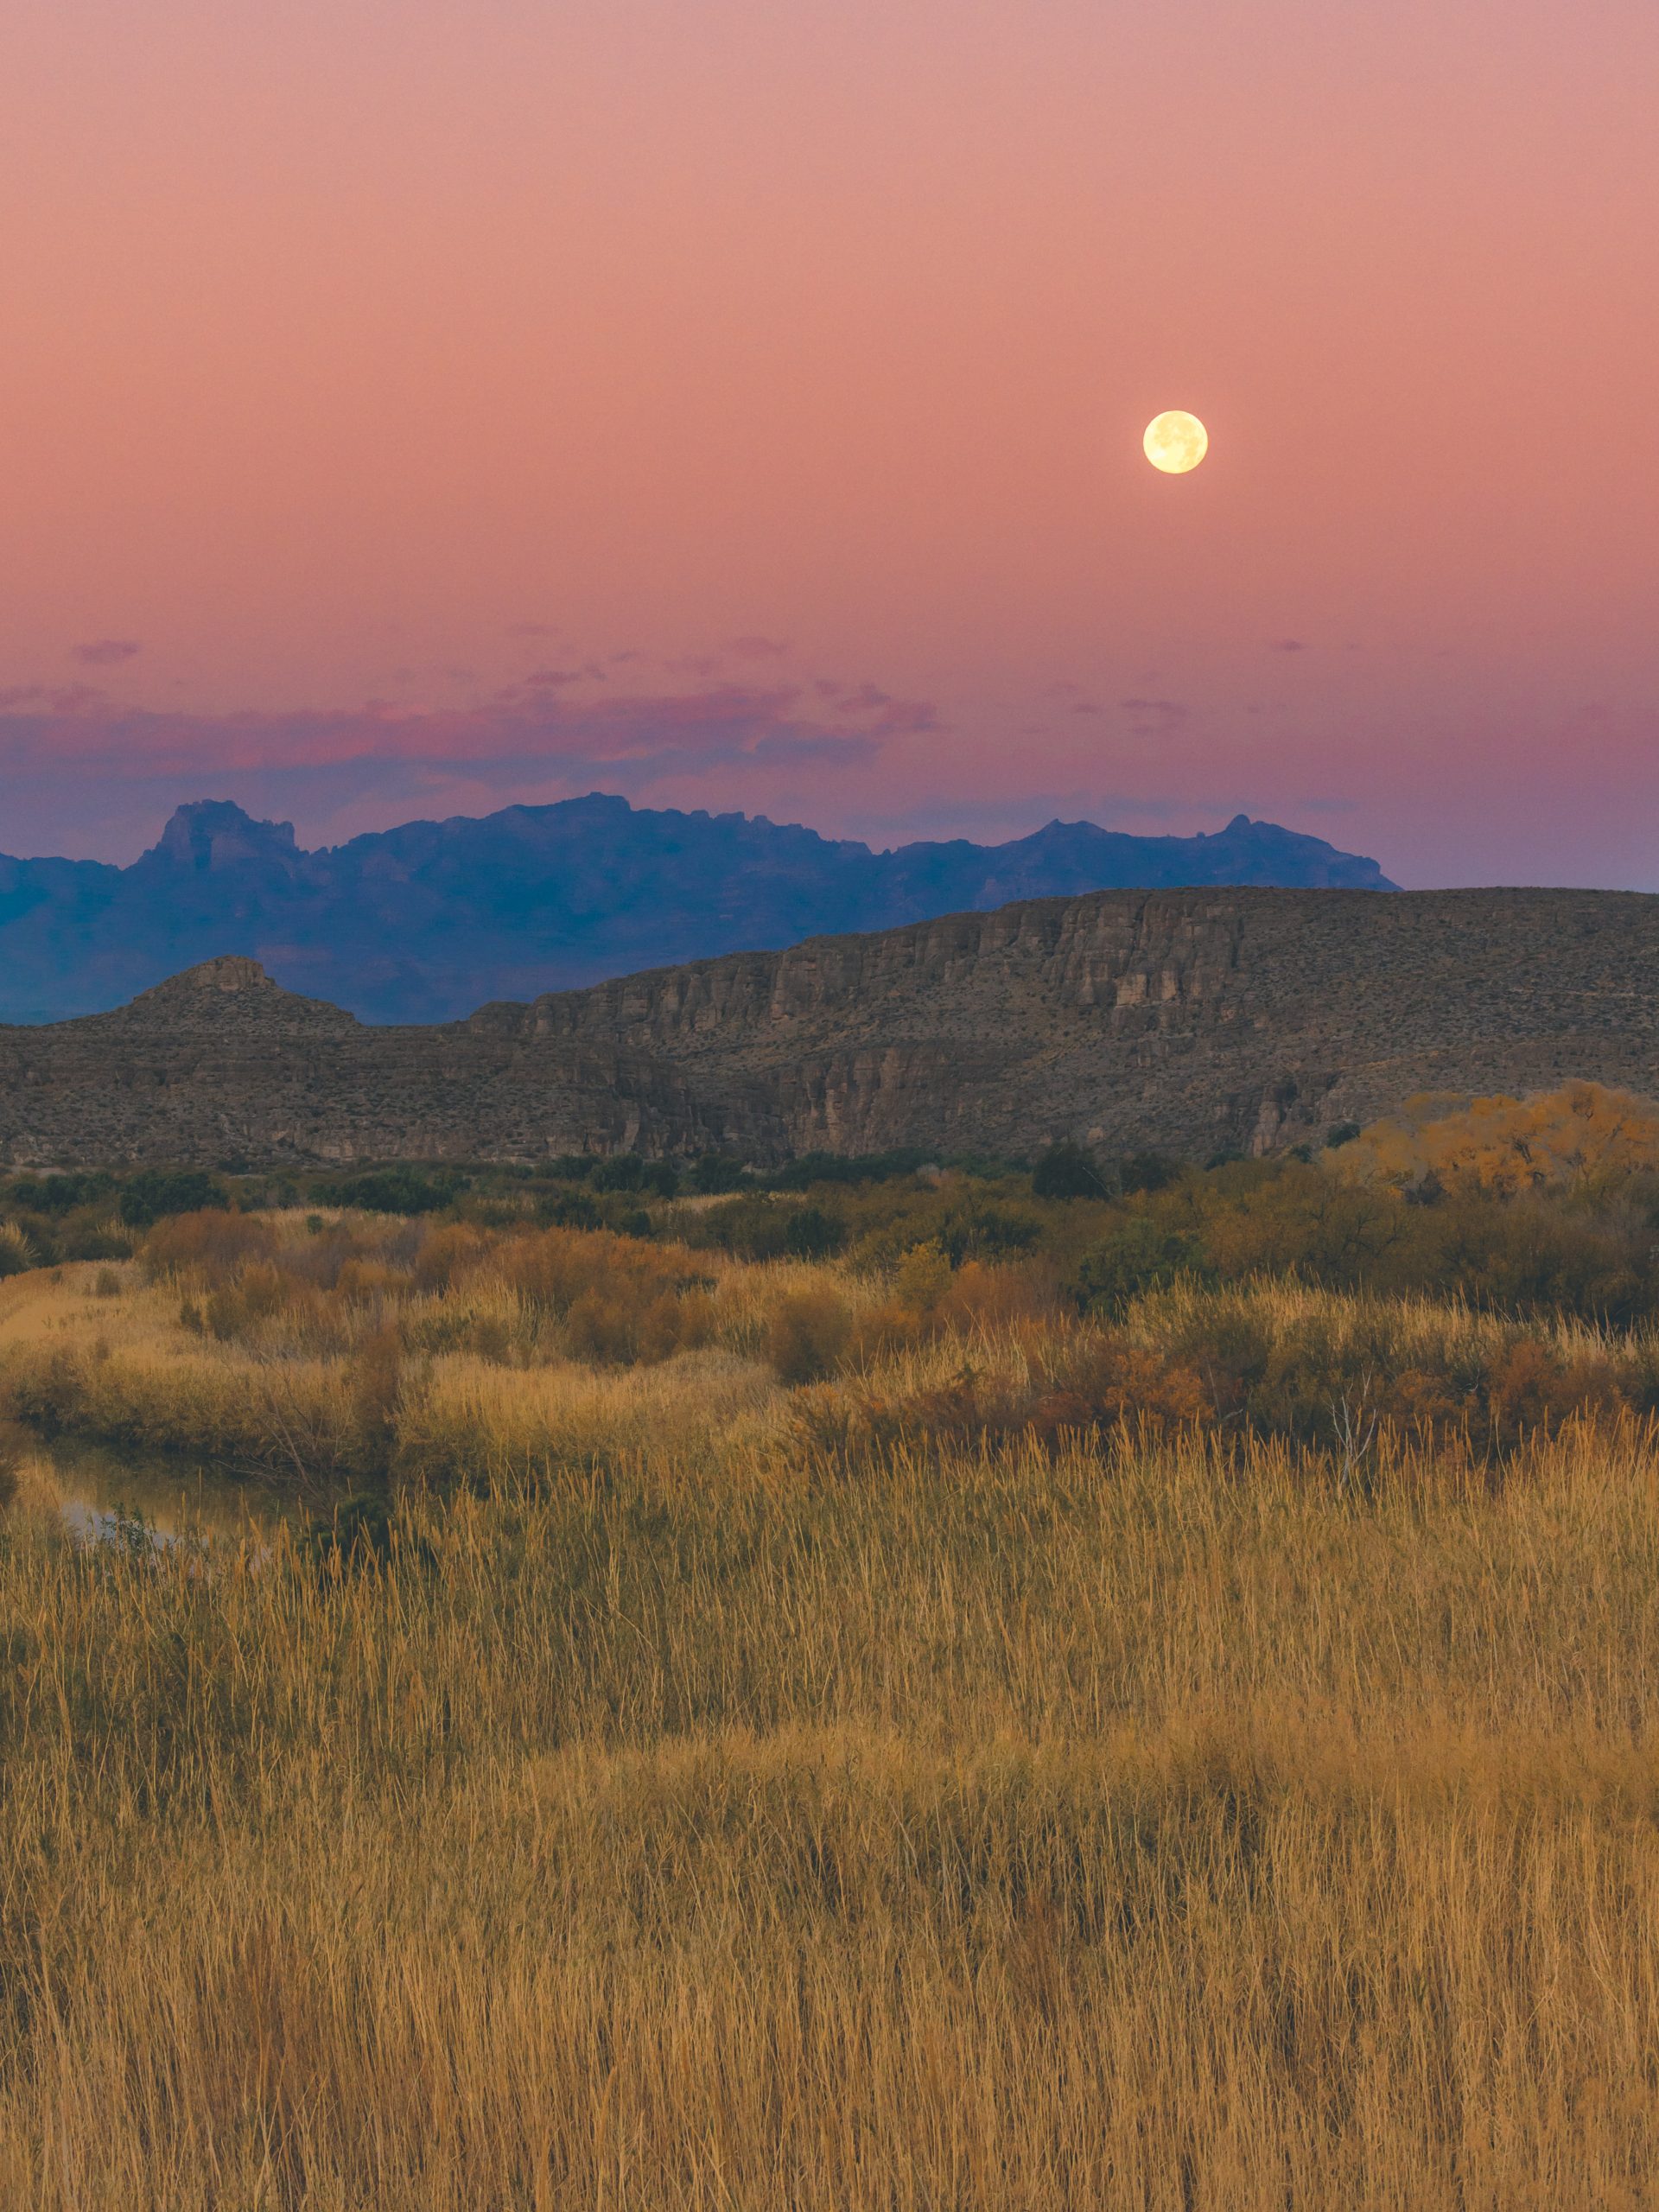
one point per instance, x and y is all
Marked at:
(812, 1234)
(1067, 1171)
(390, 1190)
(58, 1194)
(840, 1167)
(1138, 1257)
(626, 1171)
(971, 1229)
(1155, 1171)
(717, 1173)
(17, 1251)
(154, 1193)
(760, 1228)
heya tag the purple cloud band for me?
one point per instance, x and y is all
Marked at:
(546, 736)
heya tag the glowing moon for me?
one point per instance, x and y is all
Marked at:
(1176, 441)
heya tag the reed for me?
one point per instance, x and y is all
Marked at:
(678, 1809)
(1154, 1829)
(371, 1351)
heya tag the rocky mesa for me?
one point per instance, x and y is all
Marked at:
(1191, 1020)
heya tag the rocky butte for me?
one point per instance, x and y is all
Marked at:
(1191, 1020)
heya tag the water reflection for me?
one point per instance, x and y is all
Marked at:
(106, 1492)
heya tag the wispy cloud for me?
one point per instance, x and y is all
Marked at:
(556, 732)
(50, 699)
(106, 652)
(1153, 717)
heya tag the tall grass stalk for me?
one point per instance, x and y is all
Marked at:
(1152, 1826)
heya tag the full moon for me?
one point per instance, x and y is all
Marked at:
(1176, 441)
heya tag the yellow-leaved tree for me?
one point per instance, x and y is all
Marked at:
(1505, 1145)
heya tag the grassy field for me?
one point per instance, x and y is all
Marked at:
(801, 1737)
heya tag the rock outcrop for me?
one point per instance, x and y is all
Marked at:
(1191, 1021)
(220, 1066)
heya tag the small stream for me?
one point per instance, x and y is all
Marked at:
(106, 1492)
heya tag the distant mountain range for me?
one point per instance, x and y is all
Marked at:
(425, 922)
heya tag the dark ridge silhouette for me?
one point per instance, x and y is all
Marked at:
(424, 922)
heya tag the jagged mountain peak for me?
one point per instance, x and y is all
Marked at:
(426, 921)
(217, 834)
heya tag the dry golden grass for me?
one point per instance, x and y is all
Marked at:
(691, 1822)
(468, 1359)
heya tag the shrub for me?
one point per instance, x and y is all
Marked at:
(50, 1392)
(617, 1300)
(397, 1190)
(59, 1193)
(448, 1253)
(155, 1192)
(715, 1173)
(922, 1278)
(1153, 1170)
(811, 1234)
(972, 1230)
(108, 1239)
(806, 1333)
(567, 1209)
(758, 1227)
(1096, 1379)
(203, 1247)
(842, 1167)
(376, 1381)
(1140, 1256)
(1067, 1171)
(12, 1446)
(1507, 1145)
(17, 1252)
(355, 1534)
(626, 1171)
(980, 1295)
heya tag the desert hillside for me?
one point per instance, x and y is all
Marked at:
(1194, 1021)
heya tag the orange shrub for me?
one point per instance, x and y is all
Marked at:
(672, 1324)
(1103, 1380)
(1532, 1387)
(886, 1328)
(448, 1253)
(203, 1247)
(555, 1267)
(807, 1331)
(619, 1300)
(986, 1296)
(367, 1282)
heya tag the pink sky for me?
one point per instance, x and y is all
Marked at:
(408, 407)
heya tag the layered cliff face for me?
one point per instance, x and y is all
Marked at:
(220, 1066)
(1191, 1020)
(1194, 1020)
